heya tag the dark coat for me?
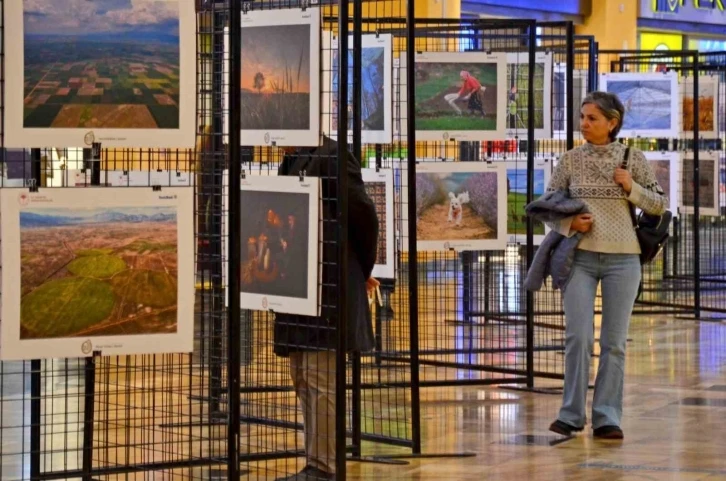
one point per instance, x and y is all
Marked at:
(556, 254)
(294, 333)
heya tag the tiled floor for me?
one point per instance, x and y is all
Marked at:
(675, 422)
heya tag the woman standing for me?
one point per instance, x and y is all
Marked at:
(608, 254)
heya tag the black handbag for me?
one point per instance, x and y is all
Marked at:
(652, 230)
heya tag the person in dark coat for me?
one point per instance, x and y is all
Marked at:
(310, 342)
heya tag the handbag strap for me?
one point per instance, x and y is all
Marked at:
(631, 207)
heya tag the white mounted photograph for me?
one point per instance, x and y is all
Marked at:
(708, 193)
(119, 73)
(280, 242)
(518, 90)
(652, 103)
(708, 86)
(376, 87)
(96, 269)
(517, 198)
(666, 167)
(460, 206)
(560, 110)
(280, 78)
(461, 96)
(379, 186)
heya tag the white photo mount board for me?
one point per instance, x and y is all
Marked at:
(311, 186)
(500, 60)
(11, 203)
(276, 20)
(460, 245)
(708, 168)
(543, 164)
(672, 100)
(330, 47)
(16, 135)
(674, 160)
(579, 80)
(385, 176)
(545, 59)
(706, 83)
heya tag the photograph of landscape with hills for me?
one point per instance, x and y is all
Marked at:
(112, 64)
(98, 271)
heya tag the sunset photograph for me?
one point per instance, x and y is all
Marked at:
(276, 78)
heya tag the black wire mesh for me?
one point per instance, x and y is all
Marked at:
(377, 413)
(472, 312)
(169, 414)
(686, 278)
(127, 417)
(134, 416)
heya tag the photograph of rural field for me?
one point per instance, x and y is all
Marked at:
(98, 271)
(474, 208)
(276, 77)
(456, 96)
(517, 95)
(707, 92)
(517, 200)
(372, 87)
(110, 64)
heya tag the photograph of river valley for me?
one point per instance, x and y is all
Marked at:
(98, 271)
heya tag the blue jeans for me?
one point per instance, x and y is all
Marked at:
(620, 278)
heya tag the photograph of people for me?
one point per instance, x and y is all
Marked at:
(471, 92)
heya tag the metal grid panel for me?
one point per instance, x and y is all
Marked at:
(687, 278)
(124, 417)
(468, 302)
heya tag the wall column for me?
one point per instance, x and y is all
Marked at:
(613, 23)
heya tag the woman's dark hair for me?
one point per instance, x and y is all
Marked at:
(610, 106)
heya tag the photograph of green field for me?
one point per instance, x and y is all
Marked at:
(456, 96)
(98, 271)
(112, 64)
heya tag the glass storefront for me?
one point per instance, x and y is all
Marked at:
(706, 44)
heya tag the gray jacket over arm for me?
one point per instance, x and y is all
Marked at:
(556, 254)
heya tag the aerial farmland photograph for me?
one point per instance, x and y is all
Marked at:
(101, 64)
(98, 271)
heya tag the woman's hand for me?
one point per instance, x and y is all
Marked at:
(624, 179)
(371, 285)
(582, 223)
